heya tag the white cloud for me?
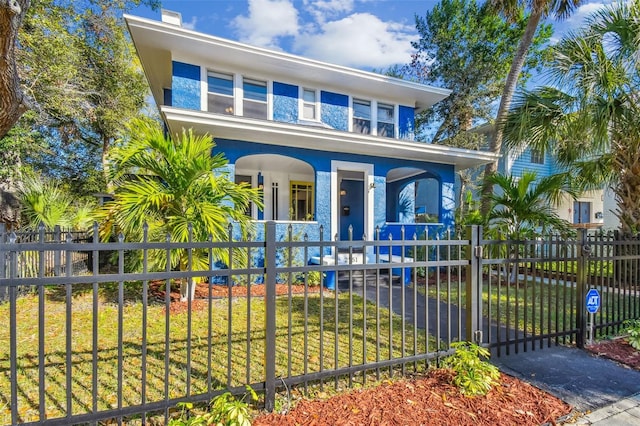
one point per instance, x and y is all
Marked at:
(191, 25)
(322, 10)
(359, 40)
(575, 21)
(268, 20)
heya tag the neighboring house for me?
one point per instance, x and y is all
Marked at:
(587, 211)
(330, 145)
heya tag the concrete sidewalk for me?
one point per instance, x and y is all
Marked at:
(601, 391)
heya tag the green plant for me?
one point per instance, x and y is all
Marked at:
(632, 327)
(474, 376)
(224, 410)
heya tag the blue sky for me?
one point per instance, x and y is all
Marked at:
(363, 34)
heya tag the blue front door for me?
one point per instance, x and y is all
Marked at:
(351, 208)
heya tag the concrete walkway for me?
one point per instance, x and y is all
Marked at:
(601, 391)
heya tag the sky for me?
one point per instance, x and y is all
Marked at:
(364, 34)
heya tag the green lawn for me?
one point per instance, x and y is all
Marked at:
(539, 305)
(354, 345)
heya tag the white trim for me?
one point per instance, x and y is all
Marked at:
(204, 89)
(301, 103)
(238, 94)
(369, 179)
(330, 140)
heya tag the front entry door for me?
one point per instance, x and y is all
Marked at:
(351, 213)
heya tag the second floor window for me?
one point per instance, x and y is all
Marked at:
(309, 104)
(386, 126)
(361, 116)
(537, 156)
(220, 93)
(255, 98)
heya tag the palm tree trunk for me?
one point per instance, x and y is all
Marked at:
(495, 144)
(187, 289)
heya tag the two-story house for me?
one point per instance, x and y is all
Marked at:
(329, 145)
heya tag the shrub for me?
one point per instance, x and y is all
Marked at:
(224, 410)
(632, 327)
(474, 376)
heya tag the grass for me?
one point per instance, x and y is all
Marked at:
(229, 323)
(541, 306)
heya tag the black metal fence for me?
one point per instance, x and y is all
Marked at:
(91, 344)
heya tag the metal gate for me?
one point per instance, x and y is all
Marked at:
(533, 291)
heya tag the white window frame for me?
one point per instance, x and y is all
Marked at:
(352, 115)
(242, 99)
(393, 122)
(233, 96)
(303, 103)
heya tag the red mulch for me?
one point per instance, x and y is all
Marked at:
(431, 400)
(618, 350)
(157, 291)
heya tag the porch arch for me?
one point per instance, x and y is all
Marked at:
(413, 196)
(288, 183)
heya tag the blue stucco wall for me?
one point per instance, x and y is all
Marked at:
(321, 163)
(335, 110)
(406, 123)
(185, 86)
(285, 102)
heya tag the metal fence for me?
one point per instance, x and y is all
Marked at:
(534, 292)
(100, 344)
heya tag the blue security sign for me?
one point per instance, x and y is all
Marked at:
(593, 301)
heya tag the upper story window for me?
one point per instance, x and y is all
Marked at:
(309, 105)
(361, 116)
(255, 98)
(386, 121)
(537, 156)
(220, 93)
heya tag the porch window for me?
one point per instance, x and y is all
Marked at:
(220, 93)
(309, 105)
(301, 195)
(386, 121)
(361, 116)
(255, 98)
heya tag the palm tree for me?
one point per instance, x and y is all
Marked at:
(538, 9)
(522, 208)
(46, 203)
(591, 116)
(177, 187)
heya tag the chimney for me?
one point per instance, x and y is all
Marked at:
(171, 17)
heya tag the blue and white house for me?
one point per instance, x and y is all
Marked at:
(330, 145)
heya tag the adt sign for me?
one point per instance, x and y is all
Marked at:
(593, 301)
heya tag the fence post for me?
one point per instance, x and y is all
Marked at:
(270, 320)
(474, 285)
(581, 287)
(3, 261)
